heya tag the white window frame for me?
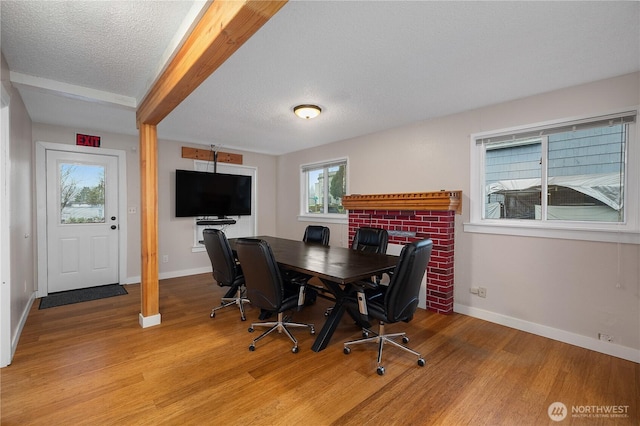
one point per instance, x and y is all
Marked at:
(624, 232)
(321, 217)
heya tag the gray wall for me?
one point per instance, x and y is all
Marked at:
(175, 235)
(565, 289)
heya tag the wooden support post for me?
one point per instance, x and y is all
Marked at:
(223, 28)
(149, 286)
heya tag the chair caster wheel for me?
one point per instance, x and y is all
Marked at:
(421, 362)
(313, 330)
(380, 371)
(250, 329)
(212, 315)
(346, 350)
(365, 334)
(252, 348)
(405, 339)
(243, 318)
(294, 349)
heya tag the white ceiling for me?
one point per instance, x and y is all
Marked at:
(371, 65)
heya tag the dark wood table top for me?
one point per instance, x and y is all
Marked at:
(337, 264)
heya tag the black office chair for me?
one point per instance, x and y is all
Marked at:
(373, 240)
(397, 302)
(267, 289)
(226, 271)
(317, 234)
(312, 234)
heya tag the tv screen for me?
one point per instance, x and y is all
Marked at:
(202, 194)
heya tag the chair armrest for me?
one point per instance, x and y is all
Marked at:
(365, 284)
(292, 280)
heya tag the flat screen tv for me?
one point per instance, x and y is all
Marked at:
(203, 194)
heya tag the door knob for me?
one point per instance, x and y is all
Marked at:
(113, 227)
(113, 218)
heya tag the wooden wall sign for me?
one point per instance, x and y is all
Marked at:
(207, 155)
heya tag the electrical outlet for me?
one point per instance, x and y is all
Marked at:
(473, 290)
(165, 258)
(605, 337)
(482, 292)
(132, 210)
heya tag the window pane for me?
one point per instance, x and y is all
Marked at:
(586, 174)
(325, 185)
(81, 193)
(337, 188)
(512, 179)
(315, 191)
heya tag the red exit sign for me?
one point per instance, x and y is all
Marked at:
(87, 140)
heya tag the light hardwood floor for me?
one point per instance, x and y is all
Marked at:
(91, 363)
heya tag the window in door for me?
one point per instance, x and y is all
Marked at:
(81, 193)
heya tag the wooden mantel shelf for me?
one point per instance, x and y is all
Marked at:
(441, 200)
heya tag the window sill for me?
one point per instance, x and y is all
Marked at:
(325, 218)
(564, 232)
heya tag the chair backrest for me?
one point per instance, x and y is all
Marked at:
(261, 274)
(402, 296)
(317, 234)
(225, 270)
(373, 240)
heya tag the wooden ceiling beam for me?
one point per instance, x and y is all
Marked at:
(223, 28)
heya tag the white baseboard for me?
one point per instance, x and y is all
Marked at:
(184, 273)
(153, 320)
(149, 321)
(172, 274)
(23, 319)
(586, 342)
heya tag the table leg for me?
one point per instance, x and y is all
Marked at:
(330, 325)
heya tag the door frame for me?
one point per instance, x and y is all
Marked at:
(41, 206)
(7, 348)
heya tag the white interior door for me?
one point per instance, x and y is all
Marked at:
(82, 220)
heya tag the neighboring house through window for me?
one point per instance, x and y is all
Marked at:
(580, 174)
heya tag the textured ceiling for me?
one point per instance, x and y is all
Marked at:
(112, 46)
(369, 65)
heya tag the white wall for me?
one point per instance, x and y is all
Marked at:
(568, 290)
(175, 235)
(21, 220)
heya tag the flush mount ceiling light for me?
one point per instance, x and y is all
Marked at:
(307, 111)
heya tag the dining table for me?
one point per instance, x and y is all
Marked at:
(338, 268)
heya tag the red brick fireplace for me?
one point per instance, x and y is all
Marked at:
(412, 217)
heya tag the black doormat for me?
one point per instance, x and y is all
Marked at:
(81, 295)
